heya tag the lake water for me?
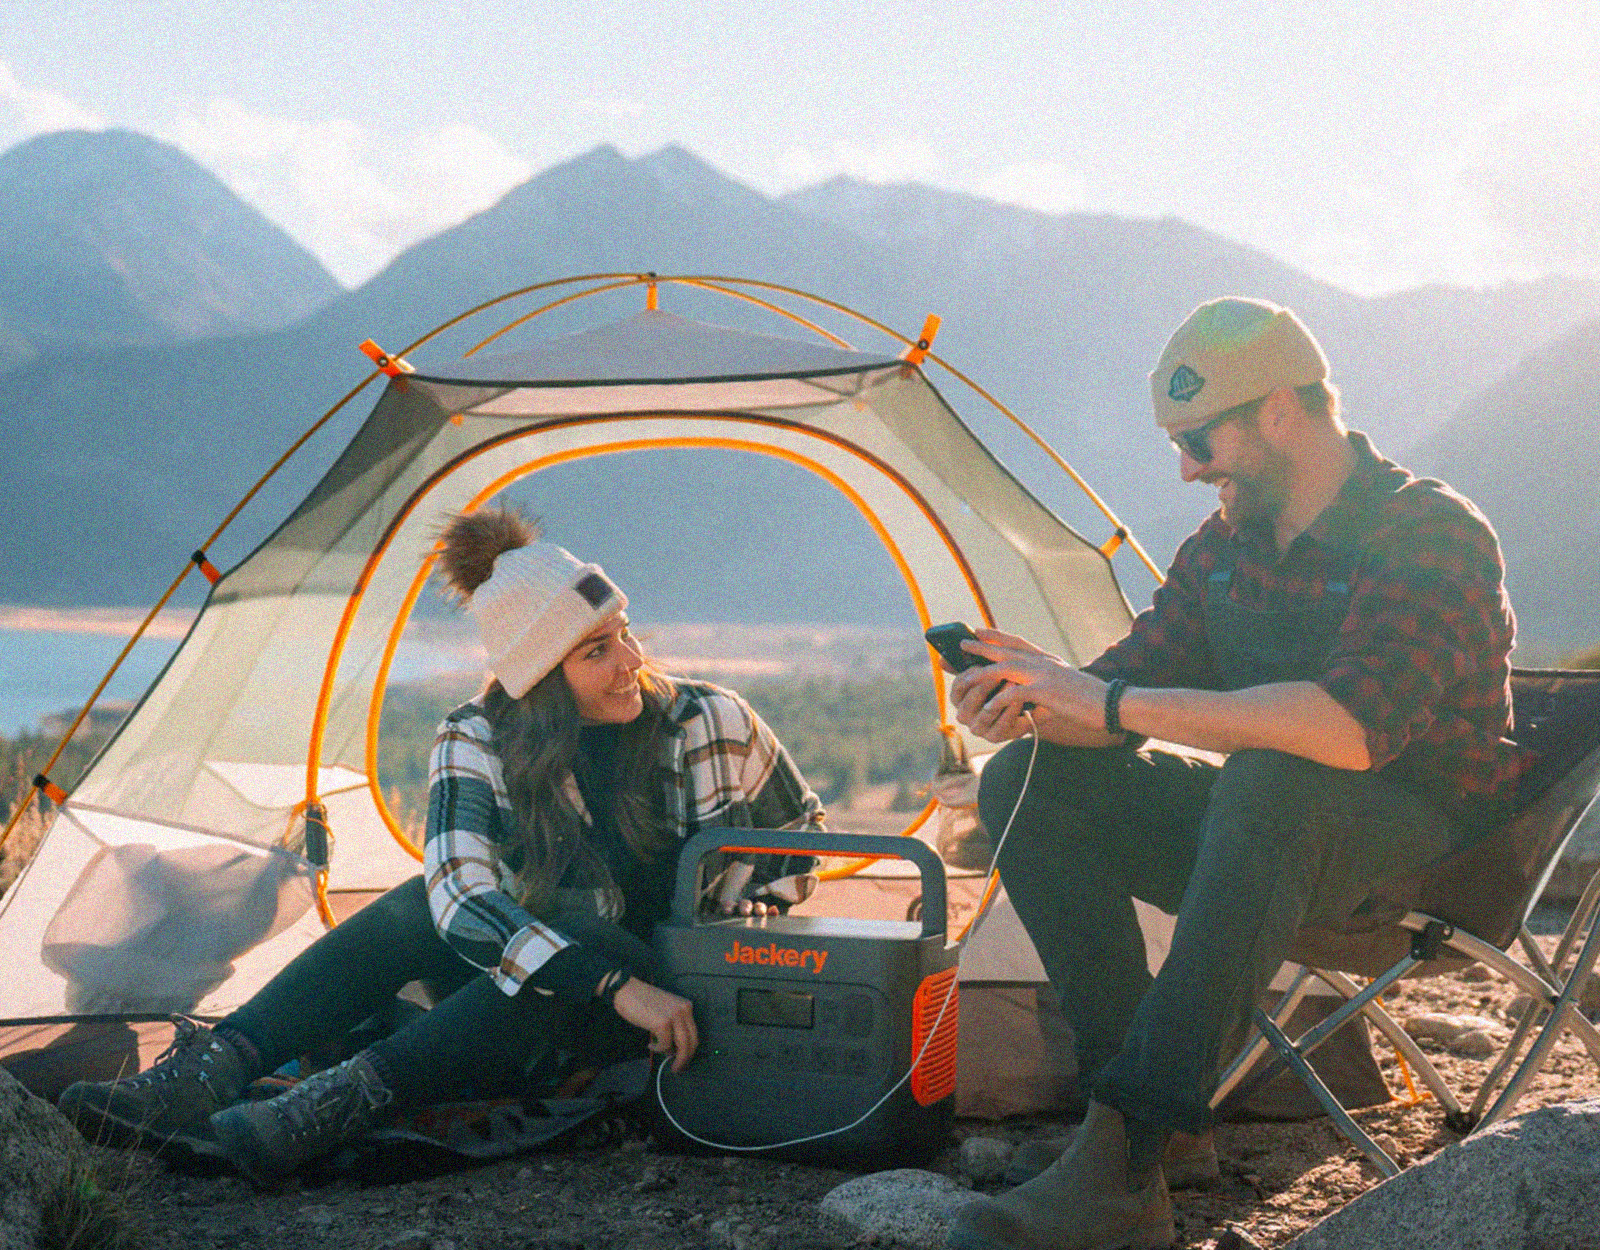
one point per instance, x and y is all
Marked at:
(43, 671)
(47, 671)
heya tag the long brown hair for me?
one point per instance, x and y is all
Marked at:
(537, 736)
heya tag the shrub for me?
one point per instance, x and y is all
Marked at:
(86, 1212)
(21, 759)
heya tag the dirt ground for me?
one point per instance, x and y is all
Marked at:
(1277, 1179)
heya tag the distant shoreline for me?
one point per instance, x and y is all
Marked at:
(170, 623)
(710, 648)
(84, 640)
(752, 648)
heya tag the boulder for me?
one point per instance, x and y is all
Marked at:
(43, 1160)
(1524, 1184)
(904, 1207)
(984, 1159)
(1477, 1037)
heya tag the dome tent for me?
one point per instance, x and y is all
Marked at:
(189, 863)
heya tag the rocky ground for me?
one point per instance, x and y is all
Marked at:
(1277, 1179)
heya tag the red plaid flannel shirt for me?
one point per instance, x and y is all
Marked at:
(1422, 659)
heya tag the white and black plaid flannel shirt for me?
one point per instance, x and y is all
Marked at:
(726, 769)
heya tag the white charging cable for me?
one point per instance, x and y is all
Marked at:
(944, 1006)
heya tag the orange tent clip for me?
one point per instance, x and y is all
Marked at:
(924, 344)
(49, 789)
(393, 366)
(207, 569)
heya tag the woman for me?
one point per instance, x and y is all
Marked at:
(556, 801)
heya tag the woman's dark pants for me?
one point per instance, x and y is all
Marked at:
(477, 1041)
(1243, 854)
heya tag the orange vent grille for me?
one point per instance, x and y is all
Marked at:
(934, 1077)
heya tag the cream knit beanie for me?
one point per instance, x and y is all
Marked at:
(538, 603)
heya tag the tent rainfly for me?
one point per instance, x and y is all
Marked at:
(191, 862)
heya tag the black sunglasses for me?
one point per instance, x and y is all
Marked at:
(1196, 443)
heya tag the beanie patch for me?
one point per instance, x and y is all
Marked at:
(595, 589)
(1185, 384)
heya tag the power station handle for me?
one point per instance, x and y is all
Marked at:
(780, 841)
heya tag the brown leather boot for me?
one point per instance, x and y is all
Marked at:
(1085, 1200)
(1190, 1160)
(169, 1105)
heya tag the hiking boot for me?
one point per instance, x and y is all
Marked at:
(1190, 1160)
(272, 1138)
(169, 1104)
(1085, 1200)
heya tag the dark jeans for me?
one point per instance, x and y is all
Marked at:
(477, 1041)
(1243, 854)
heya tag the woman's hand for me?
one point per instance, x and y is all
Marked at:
(747, 907)
(668, 1019)
(730, 889)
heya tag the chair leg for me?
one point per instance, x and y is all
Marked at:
(1537, 1010)
(1252, 1051)
(1355, 1000)
(1583, 919)
(1532, 1014)
(1290, 1053)
(1553, 990)
(1564, 1015)
(1524, 978)
(1535, 957)
(1378, 1016)
(1578, 931)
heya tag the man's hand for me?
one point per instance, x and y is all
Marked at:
(1069, 706)
(1296, 717)
(668, 1019)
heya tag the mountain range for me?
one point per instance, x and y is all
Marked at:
(114, 239)
(1527, 450)
(155, 427)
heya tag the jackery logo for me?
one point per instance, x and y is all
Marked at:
(774, 956)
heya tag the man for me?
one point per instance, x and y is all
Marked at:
(1339, 630)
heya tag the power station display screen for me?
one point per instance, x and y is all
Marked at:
(781, 1009)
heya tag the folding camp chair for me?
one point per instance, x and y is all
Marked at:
(1472, 906)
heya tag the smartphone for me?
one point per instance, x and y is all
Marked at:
(946, 640)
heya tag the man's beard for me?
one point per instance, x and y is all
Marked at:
(1259, 498)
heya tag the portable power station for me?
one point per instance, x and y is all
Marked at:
(806, 1022)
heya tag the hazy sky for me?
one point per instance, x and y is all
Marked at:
(1377, 145)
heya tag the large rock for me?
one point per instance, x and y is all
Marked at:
(1526, 1184)
(42, 1157)
(904, 1207)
